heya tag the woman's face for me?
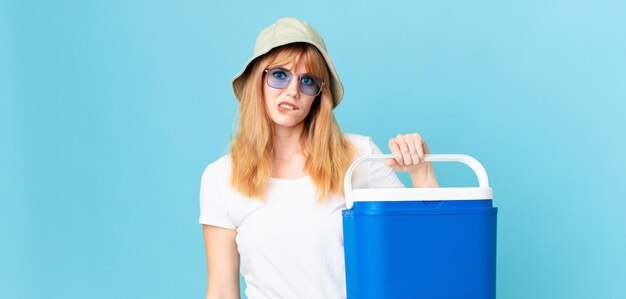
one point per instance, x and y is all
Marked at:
(287, 107)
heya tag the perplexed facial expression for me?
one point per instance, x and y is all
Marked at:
(289, 101)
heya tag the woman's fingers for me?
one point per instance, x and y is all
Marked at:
(408, 149)
(390, 162)
(404, 150)
(418, 142)
(396, 151)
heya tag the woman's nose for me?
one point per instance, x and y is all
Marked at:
(293, 88)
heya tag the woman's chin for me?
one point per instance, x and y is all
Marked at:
(291, 124)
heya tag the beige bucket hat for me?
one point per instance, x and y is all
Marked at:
(287, 31)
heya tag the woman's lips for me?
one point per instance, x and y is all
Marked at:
(286, 106)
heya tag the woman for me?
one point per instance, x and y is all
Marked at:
(274, 203)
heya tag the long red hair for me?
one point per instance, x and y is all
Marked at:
(328, 154)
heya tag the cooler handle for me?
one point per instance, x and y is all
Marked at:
(483, 181)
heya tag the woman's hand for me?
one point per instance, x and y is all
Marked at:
(408, 156)
(408, 153)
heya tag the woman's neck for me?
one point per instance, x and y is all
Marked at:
(287, 142)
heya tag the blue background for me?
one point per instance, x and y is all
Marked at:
(110, 110)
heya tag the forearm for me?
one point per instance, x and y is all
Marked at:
(424, 176)
(214, 295)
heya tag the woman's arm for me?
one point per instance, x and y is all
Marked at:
(408, 152)
(222, 262)
(424, 177)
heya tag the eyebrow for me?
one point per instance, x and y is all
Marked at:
(282, 67)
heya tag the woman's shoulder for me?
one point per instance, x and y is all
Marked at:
(362, 143)
(219, 168)
(357, 139)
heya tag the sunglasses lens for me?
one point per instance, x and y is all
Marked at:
(279, 78)
(309, 85)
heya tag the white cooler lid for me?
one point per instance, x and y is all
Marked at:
(422, 194)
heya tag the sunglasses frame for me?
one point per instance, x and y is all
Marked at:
(299, 77)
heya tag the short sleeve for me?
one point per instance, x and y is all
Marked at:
(381, 175)
(213, 208)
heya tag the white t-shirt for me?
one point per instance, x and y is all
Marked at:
(290, 246)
